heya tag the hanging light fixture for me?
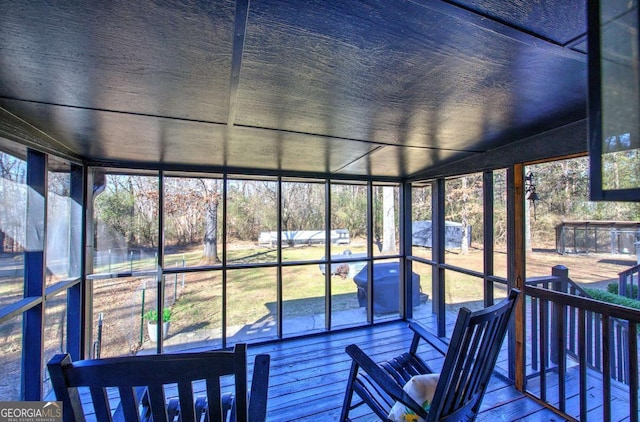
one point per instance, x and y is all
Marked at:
(530, 191)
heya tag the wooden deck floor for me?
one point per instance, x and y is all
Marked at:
(308, 376)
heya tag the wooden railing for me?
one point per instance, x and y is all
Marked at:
(629, 282)
(582, 354)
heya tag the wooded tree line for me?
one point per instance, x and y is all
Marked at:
(193, 211)
(13, 176)
(563, 187)
(563, 191)
(193, 207)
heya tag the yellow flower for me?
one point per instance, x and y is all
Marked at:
(411, 417)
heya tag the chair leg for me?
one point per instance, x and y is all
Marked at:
(348, 394)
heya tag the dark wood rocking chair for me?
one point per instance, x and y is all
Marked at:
(142, 383)
(469, 362)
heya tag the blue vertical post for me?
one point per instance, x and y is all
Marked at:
(160, 262)
(224, 260)
(175, 286)
(488, 240)
(99, 335)
(75, 322)
(34, 276)
(327, 253)
(279, 304)
(406, 270)
(370, 287)
(437, 254)
(144, 289)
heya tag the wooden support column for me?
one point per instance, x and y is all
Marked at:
(516, 276)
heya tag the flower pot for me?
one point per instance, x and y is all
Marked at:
(152, 330)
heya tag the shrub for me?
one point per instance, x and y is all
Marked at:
(616, 299)
(613, 288)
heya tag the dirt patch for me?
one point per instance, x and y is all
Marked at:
(590, 270)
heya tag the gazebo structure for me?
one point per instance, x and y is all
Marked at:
(616, 237)
(372, 94)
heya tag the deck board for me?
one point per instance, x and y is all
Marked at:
(308, 376)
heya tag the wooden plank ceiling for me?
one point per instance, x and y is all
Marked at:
(372, 88)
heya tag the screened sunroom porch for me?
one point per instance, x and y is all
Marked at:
(148, 146)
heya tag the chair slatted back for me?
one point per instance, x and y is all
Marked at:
(471, 357)
(143, 381)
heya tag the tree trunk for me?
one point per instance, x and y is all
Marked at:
(210, 254)
(388, 220)
(464, 244)
(527, 226)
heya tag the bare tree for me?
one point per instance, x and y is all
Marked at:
(212, 200)
(388, 220)
(13, 201)
(464, 214)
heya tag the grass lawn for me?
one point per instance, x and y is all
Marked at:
(196, 298)
(252, 292)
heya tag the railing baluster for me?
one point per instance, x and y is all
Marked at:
(606, 369)
(544, 318)
(597, 321)
(561, 337)
(590, 332)
(624, 341)
(628, 279)
(633, 371)
(582, 356)
(572, 328)
(622, 284)
(619, 351)
(534, 334)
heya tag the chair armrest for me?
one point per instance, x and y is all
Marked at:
(383, 379)
(436, 342)
(259, 388)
